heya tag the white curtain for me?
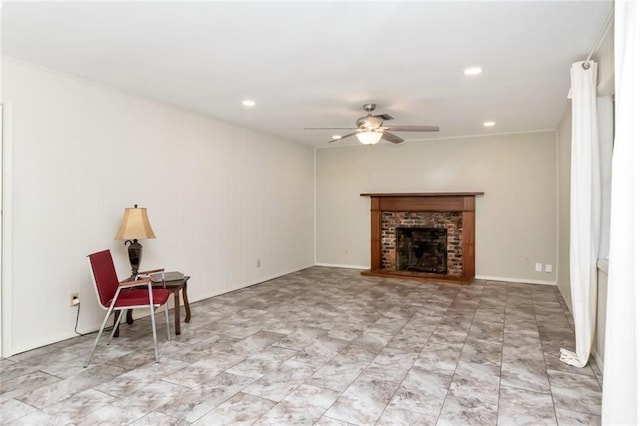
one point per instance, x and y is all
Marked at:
(621, 388)
(584, 236)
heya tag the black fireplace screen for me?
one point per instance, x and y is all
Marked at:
(421, 249)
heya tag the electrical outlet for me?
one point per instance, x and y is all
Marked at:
(538, 267)
(75, 301)
(258, 263)
(548, 268)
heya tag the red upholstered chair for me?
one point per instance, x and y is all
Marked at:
(120, 296)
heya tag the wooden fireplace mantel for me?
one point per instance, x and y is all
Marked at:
(463, 202)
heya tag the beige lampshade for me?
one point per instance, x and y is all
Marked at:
(135, 225)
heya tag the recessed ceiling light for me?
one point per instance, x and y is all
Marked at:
(473, 71)
(249, 103)
(336, 137)
(489, 123)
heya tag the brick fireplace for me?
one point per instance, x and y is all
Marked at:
(428, 236)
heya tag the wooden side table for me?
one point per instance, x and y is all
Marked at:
(174, 286)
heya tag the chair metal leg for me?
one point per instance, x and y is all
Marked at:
(116, 324)
(166, 312)
(95, 344)
(153, 327)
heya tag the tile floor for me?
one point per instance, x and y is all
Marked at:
(322, 346)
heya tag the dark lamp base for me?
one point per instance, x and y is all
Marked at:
(135, 254)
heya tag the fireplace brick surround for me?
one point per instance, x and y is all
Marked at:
(454, 211)
(451, 221)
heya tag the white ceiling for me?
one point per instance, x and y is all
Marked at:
(313, 64)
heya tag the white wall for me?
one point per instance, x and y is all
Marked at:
(564, 203)
(515, 219)
(219, 197)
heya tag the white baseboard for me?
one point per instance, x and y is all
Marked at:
(516, 280)
(247, 284)
(274, 276)
(40, 343)
(335, 265)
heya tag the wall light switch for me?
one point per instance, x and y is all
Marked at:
(538, 267)
(548, 268)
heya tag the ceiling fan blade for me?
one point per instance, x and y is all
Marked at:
(329, 128)
(343, 137)
(413, 128)
(391, 137)
(384, 116)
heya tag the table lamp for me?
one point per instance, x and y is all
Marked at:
(135, 226)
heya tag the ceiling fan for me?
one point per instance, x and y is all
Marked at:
(370, 128)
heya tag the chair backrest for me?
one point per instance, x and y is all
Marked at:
(104, 276)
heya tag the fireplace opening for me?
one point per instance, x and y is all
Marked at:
(421, 249)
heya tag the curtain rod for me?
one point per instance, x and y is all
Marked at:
(603, 34)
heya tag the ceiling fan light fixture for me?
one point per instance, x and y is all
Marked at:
(369, 137)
